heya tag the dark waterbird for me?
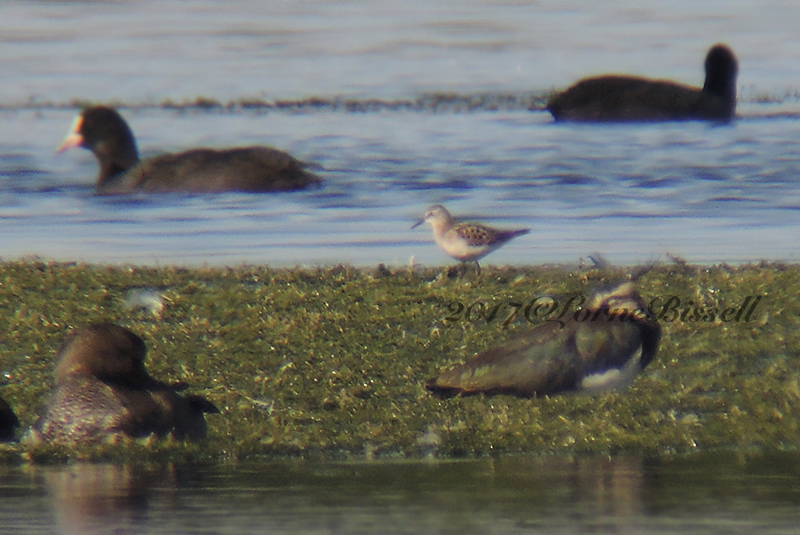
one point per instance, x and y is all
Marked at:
(599, 348)
(8, 422)
(249, 169)
(629, 98)
(102, 389)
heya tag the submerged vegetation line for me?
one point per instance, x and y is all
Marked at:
(334, 361)
(432, 102)
(428, 102)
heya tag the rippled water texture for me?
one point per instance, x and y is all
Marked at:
(448, 98)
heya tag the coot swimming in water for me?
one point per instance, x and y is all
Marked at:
(628, 98)
(251, 169)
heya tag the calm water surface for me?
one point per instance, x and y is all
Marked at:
(632, 192)
(712, 495)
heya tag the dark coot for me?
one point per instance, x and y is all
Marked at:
(251, 169)
(629, 98)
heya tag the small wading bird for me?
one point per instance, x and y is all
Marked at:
(630, 98)
(467, 242)
(102, 389)
(598, 349)
(250, 169)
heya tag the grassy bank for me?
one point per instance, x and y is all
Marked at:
(331, 361)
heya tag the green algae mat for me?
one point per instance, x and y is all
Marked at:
(333, 361)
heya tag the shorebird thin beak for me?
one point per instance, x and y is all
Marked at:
(74, 137)
(418, 223)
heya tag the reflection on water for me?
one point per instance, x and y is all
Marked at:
(98, 498)
(714, 494)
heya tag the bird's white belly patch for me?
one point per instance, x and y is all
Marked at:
(613, 378)
(463, 251)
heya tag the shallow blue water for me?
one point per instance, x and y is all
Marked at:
(631, 192)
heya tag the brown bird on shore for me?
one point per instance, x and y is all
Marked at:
(467, 242)
(102, 389)
(598, 348)
(628, 98)
(249, 169)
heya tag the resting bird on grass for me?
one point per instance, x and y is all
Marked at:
(467, 242)
(102, 389)
(599, 348)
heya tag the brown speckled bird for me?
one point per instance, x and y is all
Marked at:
(467, 242)
(630, 98)
(602, 347)
(102, 389)
(250, 169)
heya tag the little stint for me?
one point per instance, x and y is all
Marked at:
(467, 242)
